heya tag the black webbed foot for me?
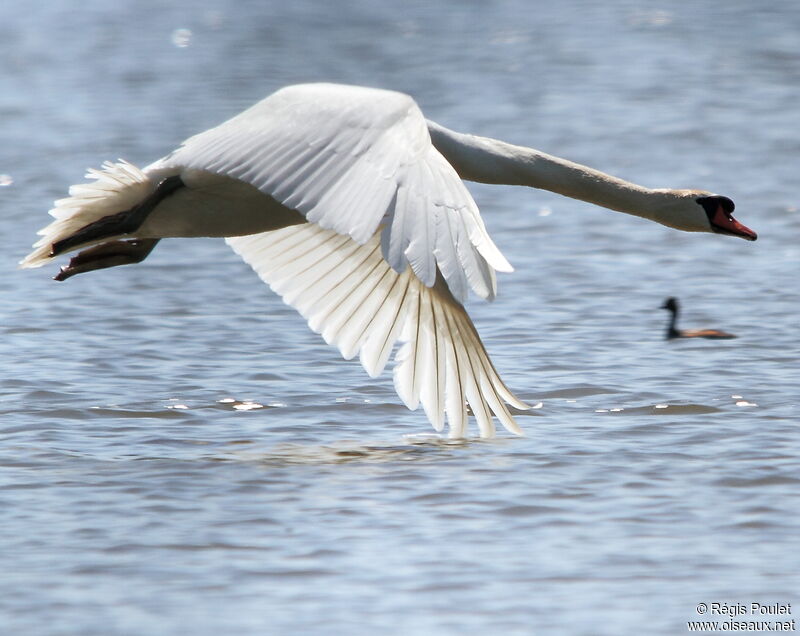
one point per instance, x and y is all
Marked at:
(120, 223)
(111, 254)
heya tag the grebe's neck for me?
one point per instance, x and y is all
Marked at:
(672, 328)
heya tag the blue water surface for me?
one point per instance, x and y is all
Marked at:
(180, 454)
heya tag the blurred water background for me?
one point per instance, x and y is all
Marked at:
(180, 454)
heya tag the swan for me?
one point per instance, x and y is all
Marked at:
(671, 304)
(350, 205)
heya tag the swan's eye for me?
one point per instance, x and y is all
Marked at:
(727, 205)
(713, 203)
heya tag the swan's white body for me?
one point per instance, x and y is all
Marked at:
(350, 206)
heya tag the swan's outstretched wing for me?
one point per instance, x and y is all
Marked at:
(351, 159)
(348, 293)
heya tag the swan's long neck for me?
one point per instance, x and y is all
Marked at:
(491, 161)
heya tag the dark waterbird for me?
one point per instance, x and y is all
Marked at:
(671, 304)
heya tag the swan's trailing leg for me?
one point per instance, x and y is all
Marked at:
(110, 254)
(121, 223)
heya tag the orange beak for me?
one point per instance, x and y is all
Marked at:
(723, 223)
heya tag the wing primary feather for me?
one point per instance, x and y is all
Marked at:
(353, 331)
(346, 308)
(330, 300)
(385, 343)
(374, 327)
(300, 276)
(477, 396)
(434, 387)
(407, 356)
(485, 368)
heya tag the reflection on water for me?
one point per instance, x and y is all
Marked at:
(423, 447)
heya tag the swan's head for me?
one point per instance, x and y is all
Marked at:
(719, 214)
(671, 304)
(699, 211)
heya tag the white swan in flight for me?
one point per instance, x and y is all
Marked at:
(350, 206)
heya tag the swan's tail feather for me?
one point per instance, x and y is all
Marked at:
(117, 187)
(352, 296)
